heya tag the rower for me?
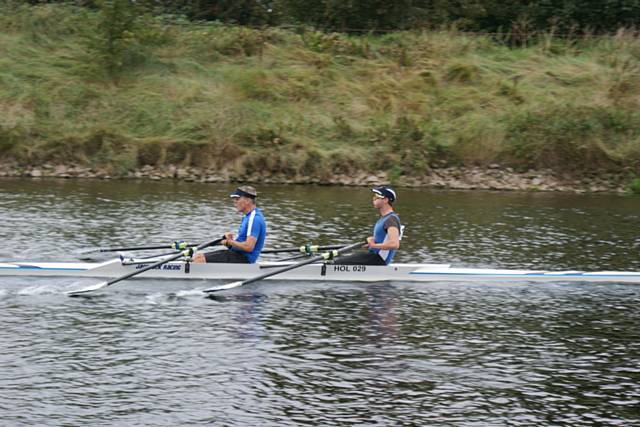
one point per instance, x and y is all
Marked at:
(387, 232)
(252, 232)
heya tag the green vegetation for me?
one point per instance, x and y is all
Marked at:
(521, 20)
(118, 89)
(635, 186)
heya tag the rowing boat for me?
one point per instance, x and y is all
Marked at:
(179, 270)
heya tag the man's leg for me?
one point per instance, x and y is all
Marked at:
(360, 258)
(225, 256)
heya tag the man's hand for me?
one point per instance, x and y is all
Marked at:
(370, 242)
(228, 237)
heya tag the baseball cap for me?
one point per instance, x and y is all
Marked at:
(387, 192)
(245, 191)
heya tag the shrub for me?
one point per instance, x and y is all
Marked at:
(571, 138)
(151, 153)
(10, 138)
(215, 40)
(335, 43)
(43, 22)
(124, 35)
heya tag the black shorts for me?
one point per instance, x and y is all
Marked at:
(360, 258)
(231, 257)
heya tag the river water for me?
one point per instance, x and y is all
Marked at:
(156, 353)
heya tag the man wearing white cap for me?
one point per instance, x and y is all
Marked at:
(386, 232)
(252, 232)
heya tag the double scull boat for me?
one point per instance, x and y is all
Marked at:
(180, 270)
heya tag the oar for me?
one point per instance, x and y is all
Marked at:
(174, 245)
(187, 252)
(291, 258)
(325, 256)
(305, 249)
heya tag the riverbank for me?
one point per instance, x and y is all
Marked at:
(455, 178)
(428, 108)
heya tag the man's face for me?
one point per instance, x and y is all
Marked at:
(378, 200)
(241, 203)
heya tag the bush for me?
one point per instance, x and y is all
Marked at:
(124, 36)
(43, 22)
(572, 138)
(9, 138)
(214, 41)
(335, 43)
(151, 153)
(406, 146)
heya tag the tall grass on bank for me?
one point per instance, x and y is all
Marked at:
(159, 91)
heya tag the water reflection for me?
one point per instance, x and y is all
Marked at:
(316, 353)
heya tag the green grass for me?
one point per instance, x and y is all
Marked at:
(312, 104)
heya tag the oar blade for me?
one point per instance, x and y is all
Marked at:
(224, 287)
(86, 251)
(88, 289)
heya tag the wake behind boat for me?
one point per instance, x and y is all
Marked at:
(180, 270)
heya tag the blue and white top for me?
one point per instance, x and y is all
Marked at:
(380, 235)
(252, 225)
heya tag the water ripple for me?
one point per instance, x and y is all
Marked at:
(288, 354)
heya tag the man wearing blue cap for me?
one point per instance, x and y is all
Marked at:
(252, 232)
(386, 232)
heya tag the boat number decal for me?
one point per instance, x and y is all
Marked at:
(176, 267)
(352, 268)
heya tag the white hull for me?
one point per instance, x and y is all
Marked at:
(394, 272)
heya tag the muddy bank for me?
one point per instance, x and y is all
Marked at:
(459, 178)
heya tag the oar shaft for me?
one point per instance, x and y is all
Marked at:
(159, 263)
(328, 255)
(282, 270)
(293, 257)
(142, 270)
(303, 249)
(134, 248)
(174, 245)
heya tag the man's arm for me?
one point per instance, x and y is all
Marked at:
(391, 243)
(249, 244)
(246, 246)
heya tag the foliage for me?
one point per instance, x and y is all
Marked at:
(124, 35)
(571, 137)
(519, 21)
(635, 186)
(364, 15)
(215, 41)
(335, 43)
(239, 12)
(304, 103)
